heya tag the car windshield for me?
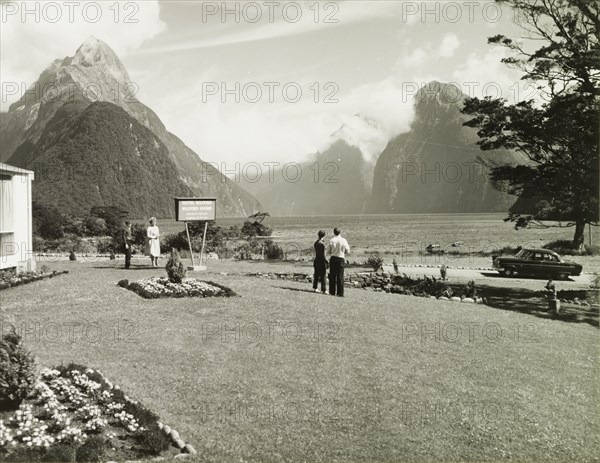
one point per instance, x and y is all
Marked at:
(522, 253)
(554, 258)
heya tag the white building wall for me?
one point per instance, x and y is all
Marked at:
(16, 245)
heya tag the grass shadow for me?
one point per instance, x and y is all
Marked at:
(298, 289)
(533, 303)
(133, 267)
(521, 277)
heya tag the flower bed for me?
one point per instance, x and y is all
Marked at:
(156, 287)
(9, 278)
(75, 414)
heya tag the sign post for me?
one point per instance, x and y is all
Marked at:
(196, 210)
(203, 241)
(190, 243)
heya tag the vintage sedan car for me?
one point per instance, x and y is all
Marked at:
(536, 262)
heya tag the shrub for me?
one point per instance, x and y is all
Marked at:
(224, 252)
(566, 247)
(247, 250)
(216, 236)
(428, 286)
(95, 226)
(470, 290)
(48, 222)
(17, 371)
(39, 244)
(139, 233)
(105, 245)
(272, 250)
(22, 455)
(154, 440)
(66, 451)
(95, 448)
(113, 217)
(375, 261)
(175, 269)
(85, 245)
(176, 241)
(252, 229)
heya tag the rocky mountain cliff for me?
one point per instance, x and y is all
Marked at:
(437, 166)
(39, 127)
(336, 181)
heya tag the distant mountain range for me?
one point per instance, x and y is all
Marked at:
(437, 166)
(336, 181)
(90, 142)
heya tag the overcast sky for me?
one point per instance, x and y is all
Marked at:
(352, 57)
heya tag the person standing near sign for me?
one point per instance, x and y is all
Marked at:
(153, 243)
(338, 248)
(128, 240)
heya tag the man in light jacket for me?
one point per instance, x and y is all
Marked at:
(337, 250)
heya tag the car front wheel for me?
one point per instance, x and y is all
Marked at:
(508, 272)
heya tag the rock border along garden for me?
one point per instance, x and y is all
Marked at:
(385, 282)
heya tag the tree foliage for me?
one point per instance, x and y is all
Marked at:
(558, 133)
(254, 228)
(259, 216)
(48, 222)
(113, 216)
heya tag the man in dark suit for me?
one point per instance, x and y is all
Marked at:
(128, 240)
(320, 264)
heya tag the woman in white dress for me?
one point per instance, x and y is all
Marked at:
(153, 242)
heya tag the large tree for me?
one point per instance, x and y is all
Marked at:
(558, 131)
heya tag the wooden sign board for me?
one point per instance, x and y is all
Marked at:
(195, 209)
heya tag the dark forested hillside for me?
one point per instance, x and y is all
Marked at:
(99, 155)
(95, 74)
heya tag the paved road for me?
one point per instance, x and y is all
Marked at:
(489, 276)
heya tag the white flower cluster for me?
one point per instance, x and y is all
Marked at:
(71, 434)
(30, 430)
(91, 415)
(114, 407)
(48, 398)
(52, 406)
(59, 401)
(128, 421)
(84, 383)
(48, 373)
(6, 437)
(163, 287)
(64, 387)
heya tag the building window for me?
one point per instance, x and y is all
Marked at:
(6, 204)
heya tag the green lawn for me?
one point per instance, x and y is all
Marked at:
(370, 377)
